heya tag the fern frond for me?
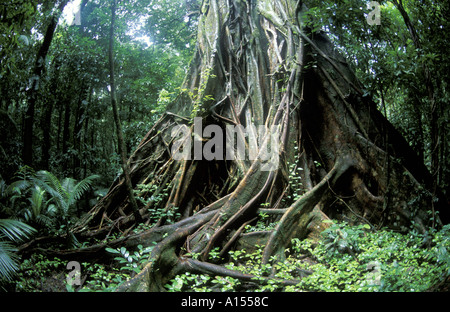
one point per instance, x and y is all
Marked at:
(53, 187)
(52, 181)
(45, 220)
(80, 188)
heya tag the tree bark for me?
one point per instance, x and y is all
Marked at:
(256, 64)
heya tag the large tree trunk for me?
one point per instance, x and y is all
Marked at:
(256, 65)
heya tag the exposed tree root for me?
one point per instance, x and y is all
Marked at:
(256, 64)
(295, 220)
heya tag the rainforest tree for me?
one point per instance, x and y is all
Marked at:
(261, 70)
(289, 114)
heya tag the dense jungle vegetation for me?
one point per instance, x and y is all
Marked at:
(86, 85)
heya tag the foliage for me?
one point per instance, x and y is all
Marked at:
(377, 261)
(101, 278)
(43, 201)
(339, 238)
(15, 17)
(150, 196)
(263, 224)
(348, 258)
(40, 212)
(35, 272)
(198, 95)
(133, 262)
(11, 231)
(295, 183)
(390, 65)
(155, 41)
(73, 128)
(64, 194)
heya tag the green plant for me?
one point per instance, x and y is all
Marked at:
(341, 238)
(11, 231)
(39, 212)
(64, 195)
(15, 195)
(198, 96)
(151, 197)
(101, 279)
(43, 201)
(295, 180)
(379, 261)
(27, 201)
(37, 271)
(132, 261)
(347, 258)
(262, 224)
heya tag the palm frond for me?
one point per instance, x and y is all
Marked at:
(52, 210)
(52, 181)
(11, 231)
(53, 187)
(8, 260)
(17, 187)
(68, 184)
(37, 200)
(15, 230)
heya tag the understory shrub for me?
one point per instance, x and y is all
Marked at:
(348, 258)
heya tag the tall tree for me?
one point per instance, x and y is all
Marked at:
(257, 64)
(33, 91)
(432, 103)
(119, 131)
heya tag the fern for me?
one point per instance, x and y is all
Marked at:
(63, 195)
(39, 212)
(51, 184)
(80, 188)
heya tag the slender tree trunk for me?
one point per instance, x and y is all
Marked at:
(33, 91)
(47, 119)
(432, 103)
(76, 136)
(66, 133)
(121, 141)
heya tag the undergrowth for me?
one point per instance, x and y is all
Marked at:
(347, 258)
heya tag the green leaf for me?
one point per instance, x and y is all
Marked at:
(114, 251)
(15, 230)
